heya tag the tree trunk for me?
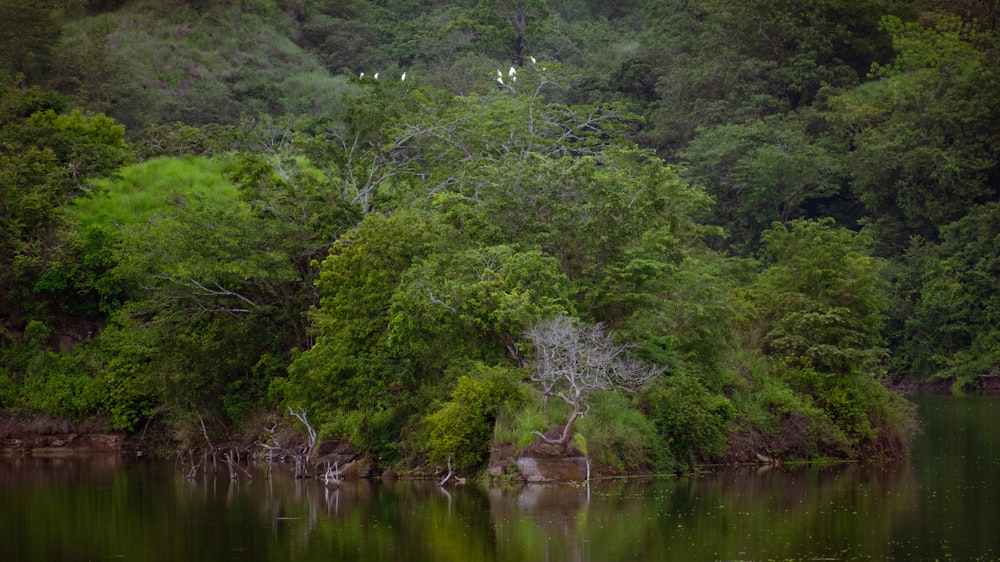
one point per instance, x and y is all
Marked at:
(519, 20)
(568, 428)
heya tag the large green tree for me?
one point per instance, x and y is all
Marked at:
(47, 157)
(824, 298)
(950, 331)
(219, 256)
(924, 148)
(721, 62)
(764, 171)
(821, 305)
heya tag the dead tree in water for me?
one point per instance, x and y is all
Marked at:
(304, 456)
(272, 446)
(458, 479)
(332, 475)
(196, 465)
(232, 457)
(446, 476)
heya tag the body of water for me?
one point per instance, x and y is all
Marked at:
(941, 504)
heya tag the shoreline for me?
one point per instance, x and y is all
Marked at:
(45, 437)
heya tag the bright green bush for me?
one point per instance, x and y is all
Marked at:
(147, 190)
(460, 429)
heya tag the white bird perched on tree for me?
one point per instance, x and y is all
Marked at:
(512, 72)
(403, 77)
(362, 75)
(375, 76)
(533, 61)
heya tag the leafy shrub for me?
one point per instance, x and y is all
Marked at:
(690, 419)
(374, 432)
(36, 380)
(616, 434)
(460, 429)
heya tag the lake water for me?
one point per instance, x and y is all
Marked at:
(942, 504)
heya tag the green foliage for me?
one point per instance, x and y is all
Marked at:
(296, 234)
(62, 390)
(29, 32)
(616, 435)
(925, 149)
(825, 304)
(824, 299)
(764, 171)
(461, 428)
(690, 420)
(614, 221)
(762, 400)
(9, 391)
(36, 380)
(469, 301)
(402, 300)
(715, 69)
(691, 320)
(177, 139)
(131, 399)
(352, 372)
(515, 23)
(375, 432)
(139, 193)
(47, 158)
(515, 427)
(951, 330)
(222, 293)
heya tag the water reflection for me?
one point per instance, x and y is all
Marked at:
(837, 512)
(542, 522)
(940, 504)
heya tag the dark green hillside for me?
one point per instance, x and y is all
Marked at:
(661, 233)
(197, 62)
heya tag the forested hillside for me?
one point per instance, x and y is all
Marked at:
(660, 232)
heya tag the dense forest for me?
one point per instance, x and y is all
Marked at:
(660, 232)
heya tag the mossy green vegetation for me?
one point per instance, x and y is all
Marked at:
(139, 191)
(209, 213)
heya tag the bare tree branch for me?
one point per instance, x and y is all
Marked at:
(574, 360)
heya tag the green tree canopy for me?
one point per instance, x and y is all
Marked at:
(824, 299)
(47, 158)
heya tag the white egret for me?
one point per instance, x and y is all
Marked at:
(512, 71)
(376, 76)
(362, 75)
(533, 61)
(403, 77)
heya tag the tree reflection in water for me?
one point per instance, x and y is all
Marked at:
(940, 503)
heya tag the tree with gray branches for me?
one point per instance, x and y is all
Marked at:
(573, 360)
